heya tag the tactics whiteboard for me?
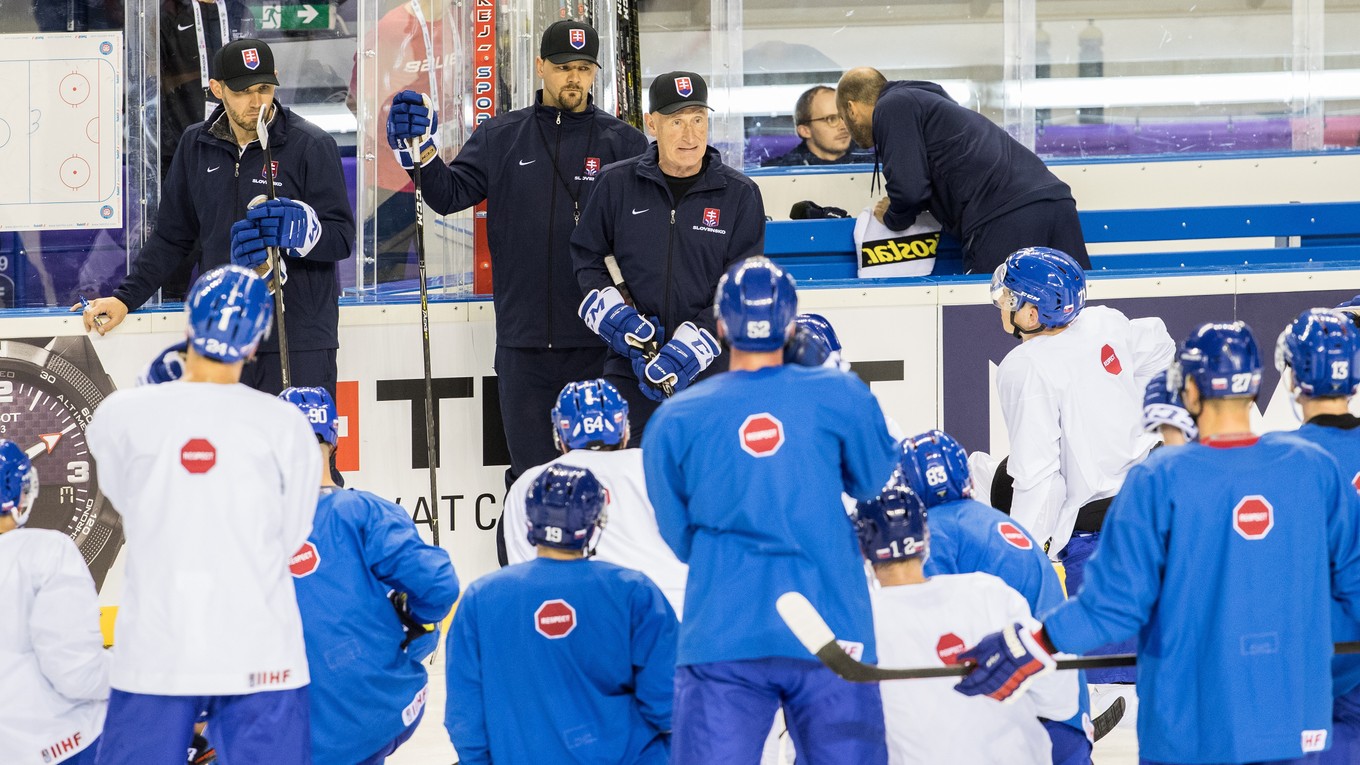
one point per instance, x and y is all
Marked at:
(61, 131)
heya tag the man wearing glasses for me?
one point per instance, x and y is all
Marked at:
(826, 139)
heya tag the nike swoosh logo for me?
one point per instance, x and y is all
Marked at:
(213, 168)
(182, 28)
(639, 212)
(522, 163)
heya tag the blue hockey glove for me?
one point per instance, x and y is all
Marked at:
(412, 116)
(616, 322)
(648, 390)
(287, 224)
(1162, 406)
(687, 354)
(1005, 663)
(247, 244)
(168, 365)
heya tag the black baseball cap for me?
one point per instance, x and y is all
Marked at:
(569, 40)
(245, 62)
(674, 91)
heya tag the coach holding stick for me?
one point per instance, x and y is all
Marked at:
(218, 170)
(986, 189)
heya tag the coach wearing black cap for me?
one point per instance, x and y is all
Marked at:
(535, 167)
(218, 169)
(675, 218)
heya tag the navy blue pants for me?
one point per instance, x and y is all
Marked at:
(305, 369)
(382, 754)
(529, 380)
(1345, 748)
(146, 729)
(1048, 223)
(1074, 556)
(723, 713)
(1307, 759)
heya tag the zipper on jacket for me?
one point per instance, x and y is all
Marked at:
(670, 247)
(552, 212)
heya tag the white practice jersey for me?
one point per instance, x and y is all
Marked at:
(1073, 404)
(630, 537)
(217, 486)
(54, 671)
(927, 721)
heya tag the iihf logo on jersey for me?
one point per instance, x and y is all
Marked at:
(251, 57)
(684, 87)
(577, 38)
(592, 163)
(711, 216)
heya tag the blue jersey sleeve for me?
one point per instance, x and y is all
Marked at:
(1343, 539)
(1124, 580)
(654, 640)
(869, 451)
(400, 559)
(464, 713)
(461, 183)
(666, 485)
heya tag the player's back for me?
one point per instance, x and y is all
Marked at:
(216, 485)
(928, 722)
(562, 661)
(967, 536)
(630, 537)
(365, 688)
(746, 471)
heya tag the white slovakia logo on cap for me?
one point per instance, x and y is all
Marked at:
(683, 86)
(577, 38)
(251, 57)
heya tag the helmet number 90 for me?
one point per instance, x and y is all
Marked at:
(316, 416)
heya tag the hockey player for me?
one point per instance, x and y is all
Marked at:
(366, 586)
(968, 536)
(217, 484)
(590, 426)
(746, 471)
(925, 619)
(1070, 396)
(1233, 649)
(562, 659)
(54, 671)
(1164, 415)
(1319, 357)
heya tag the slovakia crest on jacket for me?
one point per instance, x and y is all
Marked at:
(592, 163)
(711, 216)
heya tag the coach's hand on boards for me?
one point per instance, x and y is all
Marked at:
(1005, 662)
(412, 116)
(616, 322)
(101, 314)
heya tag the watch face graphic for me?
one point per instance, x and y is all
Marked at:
(47, 397)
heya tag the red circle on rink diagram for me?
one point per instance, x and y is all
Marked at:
(305, 560)
(198, 456)
(1253, 517)
(74, 88)
(555, 619)
(1013, 535)
(949, 647)
(92, 130)
(761, 434)
(75, 172)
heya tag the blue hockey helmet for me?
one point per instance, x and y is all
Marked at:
(1322, 348)
(814, 342)
(1222, 359)
(565, 508)
(168, 365)
(319, 407)
(1162, 405)
(18, 482)
(590, 414)
(1351, 310)
(936, 467)
(891, 526)
(229, 311)
(1046, 278)
(756, 303)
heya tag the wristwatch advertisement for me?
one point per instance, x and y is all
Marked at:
(49, 389)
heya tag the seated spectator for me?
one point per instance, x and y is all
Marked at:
(826, 139)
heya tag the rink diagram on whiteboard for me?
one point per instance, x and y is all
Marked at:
(61, 126)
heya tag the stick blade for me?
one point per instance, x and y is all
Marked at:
(803, 620)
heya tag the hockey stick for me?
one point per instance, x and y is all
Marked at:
(430, 451)
(652, 349)
(814, 633)
(275, 265)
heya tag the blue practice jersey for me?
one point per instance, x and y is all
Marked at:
(746, 471)
(1217, 557)
(1340, 436)
(365, 689)
(561, 661)
(968, 536)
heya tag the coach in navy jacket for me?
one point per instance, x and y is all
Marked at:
(986, 189)
(211, 181)
(671, 249)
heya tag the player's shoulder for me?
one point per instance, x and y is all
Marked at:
(1295, 445)
(42, 551)
(621, 170)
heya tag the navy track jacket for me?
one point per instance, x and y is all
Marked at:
(210, 183)
(950, 160)
(535, 167)
(671, 252)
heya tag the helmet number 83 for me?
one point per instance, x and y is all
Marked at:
(936, 475)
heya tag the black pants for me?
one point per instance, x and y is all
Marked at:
(1049, 223)
(640, 408)
(529, 380)
(305, 369)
